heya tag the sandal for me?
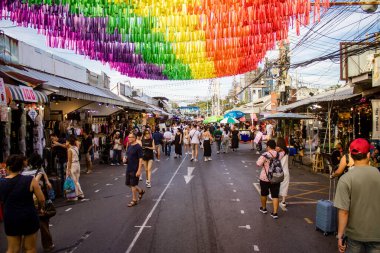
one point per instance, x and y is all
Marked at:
(141, 194)
(132, 203)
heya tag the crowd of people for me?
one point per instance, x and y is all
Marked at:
(24, 188)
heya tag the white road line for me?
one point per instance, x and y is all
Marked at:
(143, 227)
(68, 209)
(108, 184)
(95, 184)
(235, 200)
(246, 227)
(234, 190)
(308, 220)
(256, 248)
(83, 200)
(50, 225)
(245, 166)
(97, 190)
(153, 209)
(226, 173)
(229, 178)
(242, 212)
(243, 161)
(230, 183)
(116, 178)
(226, 169)
(154, 171)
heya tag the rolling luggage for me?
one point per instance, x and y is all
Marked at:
(326, 214)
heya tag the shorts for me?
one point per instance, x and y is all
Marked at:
(131, 179)
(266, 186)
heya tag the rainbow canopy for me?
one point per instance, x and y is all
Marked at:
(165, 39)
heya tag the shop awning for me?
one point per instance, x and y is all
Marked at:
(101, 110)
(70, 88)
(17, 95)
(332, 95)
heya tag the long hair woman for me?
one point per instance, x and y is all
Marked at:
(73, 166)
(21, 220)
(284, 187)
(148, 155)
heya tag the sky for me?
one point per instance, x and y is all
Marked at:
(317, 39)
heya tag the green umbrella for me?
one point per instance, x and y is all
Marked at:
(212, 119)
(229, 120)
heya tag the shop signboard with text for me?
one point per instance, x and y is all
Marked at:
(375, 119)
(28, 94)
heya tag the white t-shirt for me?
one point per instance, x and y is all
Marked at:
(269, 129)
(195, 135)
(168, 136)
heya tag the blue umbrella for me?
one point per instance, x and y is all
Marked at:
(234, 114)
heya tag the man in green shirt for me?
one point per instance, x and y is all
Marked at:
(218, 138)
(358, 200)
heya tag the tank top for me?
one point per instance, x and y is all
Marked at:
(148, 153)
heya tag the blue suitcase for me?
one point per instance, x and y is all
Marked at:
(326, 218)
(326, 215)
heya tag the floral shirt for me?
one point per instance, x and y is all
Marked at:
(264, 163)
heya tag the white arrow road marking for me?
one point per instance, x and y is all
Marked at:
(68, 209)
(246, 227)
(154, 171)
(188, 177)
(256, 248)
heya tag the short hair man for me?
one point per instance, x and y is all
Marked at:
(358, 200)
(88, 150)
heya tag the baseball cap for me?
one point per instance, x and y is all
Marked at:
(359, 146)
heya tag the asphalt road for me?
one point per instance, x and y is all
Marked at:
(216, 211)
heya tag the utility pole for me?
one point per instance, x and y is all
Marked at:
(283, 65)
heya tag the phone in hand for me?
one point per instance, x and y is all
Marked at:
(344, 240)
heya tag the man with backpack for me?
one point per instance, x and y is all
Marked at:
(271, 177)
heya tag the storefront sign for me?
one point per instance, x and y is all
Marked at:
(32, 114)
(28, 94)
(376, 72)
(375, 119)
(3, 95)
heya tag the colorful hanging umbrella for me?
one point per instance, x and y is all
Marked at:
(234, 114)
(167, 39)
(212, 119)
(229, 120)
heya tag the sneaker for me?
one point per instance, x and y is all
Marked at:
(209, 159)
(89, 172)
(148, 185)
(118, 164)
(264, 211)
(274, 215)
(206, 159)
(257, 153)
(112, 164)
(157, 160)
(270, 196)
(192, 159)
(217, 152)
(283, 204)
(49, 249)
(140, 178)
(195, 160)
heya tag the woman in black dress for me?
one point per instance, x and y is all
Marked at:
(234, 139)
(21, 220)
(178, 143)
(207, 138)
(148, 157)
